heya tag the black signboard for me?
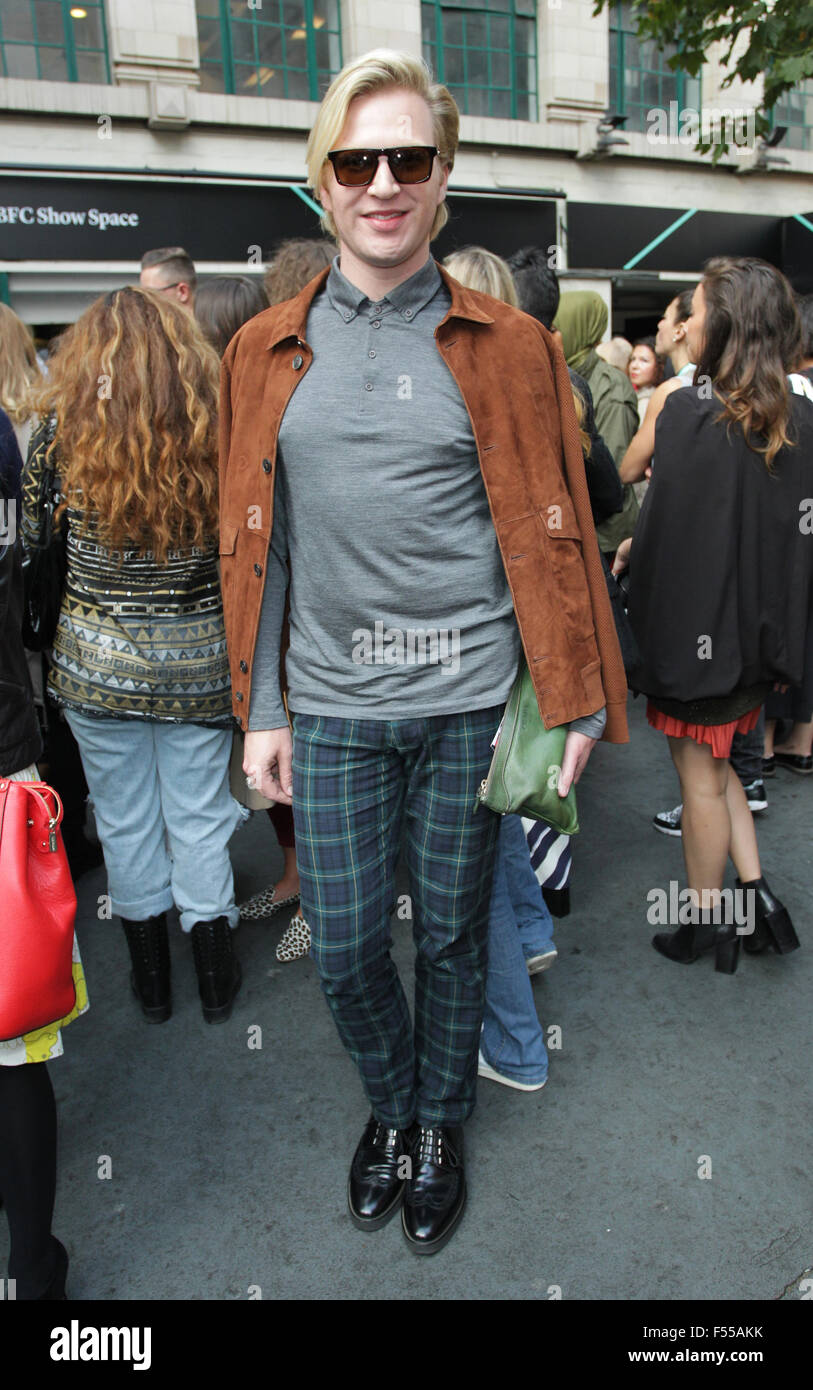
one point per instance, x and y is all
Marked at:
(797, 244)
(117, 220)
(609, 235)
(501, 224)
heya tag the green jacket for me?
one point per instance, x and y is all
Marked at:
(616, 412)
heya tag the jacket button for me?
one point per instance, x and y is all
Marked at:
(258, 569)
(297, 362)
(243, 667)
(266, 465)
(238, 694)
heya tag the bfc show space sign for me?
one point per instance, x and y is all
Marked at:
(118, 219)
(29, 216)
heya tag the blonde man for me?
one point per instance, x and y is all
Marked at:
(366, 425)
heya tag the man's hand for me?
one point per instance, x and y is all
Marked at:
(622, 556)
(268, 758)
(578, 748)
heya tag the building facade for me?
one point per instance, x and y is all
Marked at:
(129, 124)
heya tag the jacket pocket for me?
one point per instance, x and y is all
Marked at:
(228, 538)
(226, 564)
(565, 562)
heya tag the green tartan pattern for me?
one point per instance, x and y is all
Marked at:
(358, 783)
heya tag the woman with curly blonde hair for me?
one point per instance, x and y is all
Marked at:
(19, 373)
(129, 425)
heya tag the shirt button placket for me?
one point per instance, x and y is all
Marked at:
(371, 373)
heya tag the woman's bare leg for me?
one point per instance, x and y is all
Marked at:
(800, 740)
(706, 818)
(744, 851)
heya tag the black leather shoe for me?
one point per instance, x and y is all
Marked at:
(690, 942)
(375, 1186)
(435, 1194)
(772, 925)
(795, 762)
(149, 952)
(218, 969)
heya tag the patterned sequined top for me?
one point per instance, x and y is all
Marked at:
(135, 639)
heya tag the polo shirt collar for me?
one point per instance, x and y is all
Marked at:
(407, 299)
(289, 319)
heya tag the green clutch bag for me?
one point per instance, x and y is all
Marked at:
(525, 768)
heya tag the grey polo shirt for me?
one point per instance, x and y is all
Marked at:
(399, 604)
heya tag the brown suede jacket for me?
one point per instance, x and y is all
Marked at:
(515, 386)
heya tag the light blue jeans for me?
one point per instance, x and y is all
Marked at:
(519, 926)
(164, 814)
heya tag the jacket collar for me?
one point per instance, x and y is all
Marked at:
(291, 318)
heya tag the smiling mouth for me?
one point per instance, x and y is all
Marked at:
(386, 216)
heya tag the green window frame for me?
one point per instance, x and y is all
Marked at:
(485, 52)
(794, 109)
(281, 48)
(640, 77)
(54, 41)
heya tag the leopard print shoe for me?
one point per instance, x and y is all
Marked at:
(296, 940)
(264, 904)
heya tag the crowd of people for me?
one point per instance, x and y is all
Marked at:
(253, 479)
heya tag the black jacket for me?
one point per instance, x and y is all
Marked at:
(20, 741)
(721, 569)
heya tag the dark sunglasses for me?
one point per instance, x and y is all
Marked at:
(408, 164)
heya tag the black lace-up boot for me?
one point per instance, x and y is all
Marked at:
(435, 1193)
(218, 969)
(375, 1186)
(149, 952)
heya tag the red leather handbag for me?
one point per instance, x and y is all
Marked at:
(37, 910)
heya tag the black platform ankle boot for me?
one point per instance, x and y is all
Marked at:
(691, 941)
(772, 925)
(218, 969)
(149, 952)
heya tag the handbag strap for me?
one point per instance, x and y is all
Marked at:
(40, 790)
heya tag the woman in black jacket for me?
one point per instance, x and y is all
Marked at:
(720, 581)
(38, 1261)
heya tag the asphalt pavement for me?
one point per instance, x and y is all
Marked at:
(667, 1157)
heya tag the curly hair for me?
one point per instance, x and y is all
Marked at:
(293, 264)
(133, 386)
(752, 340)
(19, 368)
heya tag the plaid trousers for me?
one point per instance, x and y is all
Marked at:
(356, 783)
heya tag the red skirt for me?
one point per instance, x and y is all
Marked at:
(719, 736)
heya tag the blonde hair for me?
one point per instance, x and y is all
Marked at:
(479, 269)
(617, 352)
(19, 368)
(373, 72)
(133, 385)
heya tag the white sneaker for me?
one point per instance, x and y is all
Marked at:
(544, 961)
(483, 1069)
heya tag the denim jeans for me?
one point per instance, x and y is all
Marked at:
(164, 815)
(747, 751)
(519, 926)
